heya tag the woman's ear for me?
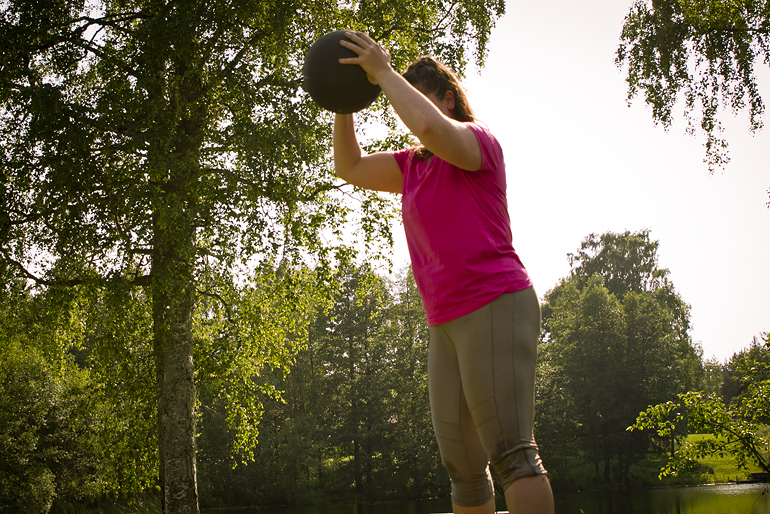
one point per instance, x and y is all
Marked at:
(449, 100)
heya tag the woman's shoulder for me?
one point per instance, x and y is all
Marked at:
(404, 155)
(482, 132)
(491, 150)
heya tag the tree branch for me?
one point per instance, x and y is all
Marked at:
(227, 70)
(266, 192)
(140, 281)
(42, 281)
(216, 296)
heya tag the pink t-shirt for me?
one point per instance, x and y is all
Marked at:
(458, 231)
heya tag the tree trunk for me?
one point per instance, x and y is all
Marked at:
(369, 493)
(357, 467)
(177, 166)
(173, 296)
(672, 446)
(416, 474)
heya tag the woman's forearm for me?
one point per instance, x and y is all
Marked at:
(347, 151)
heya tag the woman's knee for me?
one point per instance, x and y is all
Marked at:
(471, 490)
(520, 463)
(467, 465)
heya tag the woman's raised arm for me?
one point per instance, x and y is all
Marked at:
(428, 118)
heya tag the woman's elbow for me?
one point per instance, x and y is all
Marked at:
(423, 129)
(342, 169)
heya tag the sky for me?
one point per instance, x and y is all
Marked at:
(580, 161)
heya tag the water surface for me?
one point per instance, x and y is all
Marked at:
(710, 499)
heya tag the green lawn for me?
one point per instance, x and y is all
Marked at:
(725, 468)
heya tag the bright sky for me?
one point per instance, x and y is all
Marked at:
(579, 160)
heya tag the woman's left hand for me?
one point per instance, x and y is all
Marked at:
(371, 56)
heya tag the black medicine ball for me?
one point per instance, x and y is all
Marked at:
(340, 88)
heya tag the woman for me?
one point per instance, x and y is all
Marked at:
(483, 313)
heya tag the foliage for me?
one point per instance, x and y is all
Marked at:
(616, 339)
(54, 423)
(115, 329)
(414, 449)
(737, 428)
(155, 155)
(702, 52)
(258, 328)
(713, 372)
(628, 262)
(352, 421)
(748, 366)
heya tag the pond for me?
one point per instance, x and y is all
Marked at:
(713, 499)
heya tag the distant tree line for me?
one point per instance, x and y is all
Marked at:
(340, 391)
(616, 340)
(737, 422)
(352, 422)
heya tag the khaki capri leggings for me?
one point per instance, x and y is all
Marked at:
(481, 381)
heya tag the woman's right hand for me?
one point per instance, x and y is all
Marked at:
(371, 56)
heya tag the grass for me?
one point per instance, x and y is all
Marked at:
(645, 473)
(710, 470)
(724, 468)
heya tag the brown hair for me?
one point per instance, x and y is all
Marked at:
(433, 77)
